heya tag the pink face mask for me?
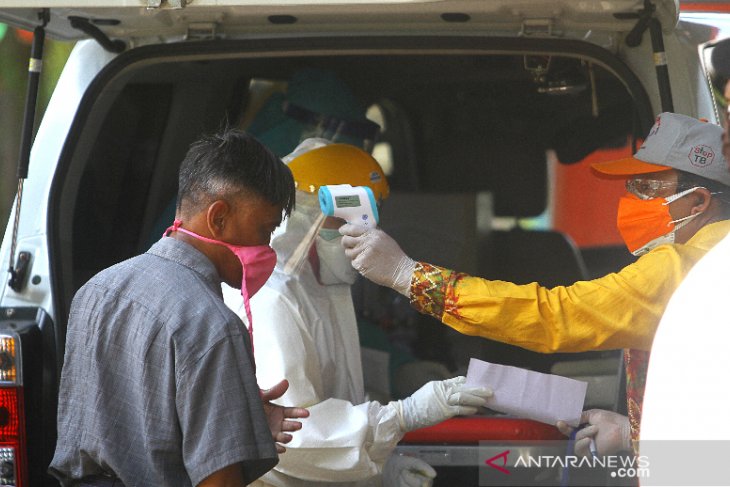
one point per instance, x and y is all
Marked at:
(257, 262)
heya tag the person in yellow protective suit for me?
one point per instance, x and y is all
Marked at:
(306, 331)
(673, 213)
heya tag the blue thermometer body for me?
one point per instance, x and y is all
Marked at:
(354, 204)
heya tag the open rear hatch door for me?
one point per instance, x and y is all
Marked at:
(175, 19)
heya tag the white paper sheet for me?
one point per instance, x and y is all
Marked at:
(527, 394)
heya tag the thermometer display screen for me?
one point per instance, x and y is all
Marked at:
(349, 201)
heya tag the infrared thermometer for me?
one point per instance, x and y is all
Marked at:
(354, 204)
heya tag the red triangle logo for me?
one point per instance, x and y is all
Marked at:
(501, 468)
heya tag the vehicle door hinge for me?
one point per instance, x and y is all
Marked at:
(201, 31)
(151, 4)
(537, 28)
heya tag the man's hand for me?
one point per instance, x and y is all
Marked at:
(610, 431)
(279, 417)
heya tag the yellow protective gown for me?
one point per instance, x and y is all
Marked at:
(620, 310)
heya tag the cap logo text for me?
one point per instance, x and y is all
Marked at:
(655, 128)
(701, 156)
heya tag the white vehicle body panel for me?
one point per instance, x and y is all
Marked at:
(87, 59)
(384, 29)
(142, 18)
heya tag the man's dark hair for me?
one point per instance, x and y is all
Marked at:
(228, 164)
(719, 65)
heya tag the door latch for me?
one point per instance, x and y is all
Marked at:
(19, 273)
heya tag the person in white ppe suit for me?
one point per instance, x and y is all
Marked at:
(306, 330)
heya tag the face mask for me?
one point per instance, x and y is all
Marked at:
(334, 266)
(647, 224)
(257, 263)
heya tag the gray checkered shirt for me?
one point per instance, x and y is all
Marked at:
(158, 386)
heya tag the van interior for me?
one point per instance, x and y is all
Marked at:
(471, 134)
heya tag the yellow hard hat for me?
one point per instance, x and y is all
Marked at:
(338, 164)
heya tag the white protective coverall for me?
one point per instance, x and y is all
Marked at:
(306, 332)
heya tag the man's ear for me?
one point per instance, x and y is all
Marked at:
(702, 202)
(217, 216)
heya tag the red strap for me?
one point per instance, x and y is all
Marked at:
(172, 228)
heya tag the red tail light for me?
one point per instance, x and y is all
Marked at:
(13, 465)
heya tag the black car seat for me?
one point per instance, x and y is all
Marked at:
(549, 258)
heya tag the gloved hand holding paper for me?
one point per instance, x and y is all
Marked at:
(527, 394)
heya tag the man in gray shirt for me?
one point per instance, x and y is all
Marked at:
(158, 386)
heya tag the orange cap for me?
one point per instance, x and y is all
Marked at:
(627, 167)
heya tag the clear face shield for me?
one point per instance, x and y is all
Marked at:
(362, 134)
(293, 240)
(298, 233)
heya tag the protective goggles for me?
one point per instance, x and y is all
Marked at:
(647, 189)
(333, 128)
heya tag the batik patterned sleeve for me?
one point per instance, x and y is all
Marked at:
(433, 290)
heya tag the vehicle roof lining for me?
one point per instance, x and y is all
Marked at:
(493, 124)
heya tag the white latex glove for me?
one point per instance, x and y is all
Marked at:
(437, 401)
(401, 470)
(610, 431)
(378, 257)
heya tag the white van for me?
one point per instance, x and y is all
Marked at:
(476, 99)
